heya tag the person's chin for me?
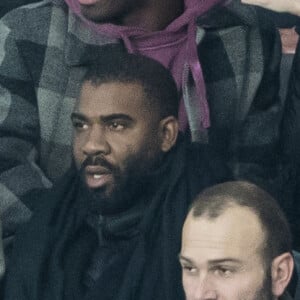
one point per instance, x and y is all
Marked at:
(93, 14)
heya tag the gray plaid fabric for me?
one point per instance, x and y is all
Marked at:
(7, 5)
(43, 48)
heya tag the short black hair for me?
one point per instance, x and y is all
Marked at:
(213, 201)
(115, 65)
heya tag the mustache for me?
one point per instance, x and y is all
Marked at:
(97, 161)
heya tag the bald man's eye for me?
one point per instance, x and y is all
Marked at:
(188, 269)
(223, 272)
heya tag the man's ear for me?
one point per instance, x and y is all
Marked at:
(282, 269)
(168, 131)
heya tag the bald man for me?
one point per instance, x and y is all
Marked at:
(236, 245)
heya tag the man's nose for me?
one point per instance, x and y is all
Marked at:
(96, 142)
(205, 289)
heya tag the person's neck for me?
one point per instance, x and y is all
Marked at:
(155, 15)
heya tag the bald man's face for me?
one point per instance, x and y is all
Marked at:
(221, 258)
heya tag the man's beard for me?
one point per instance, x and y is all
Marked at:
(127, 188)
(265, 292)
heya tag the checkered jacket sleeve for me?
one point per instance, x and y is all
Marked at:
(241, 68)
(19, 129)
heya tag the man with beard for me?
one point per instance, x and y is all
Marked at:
(236, 245)
(110, 229)
(223, 56)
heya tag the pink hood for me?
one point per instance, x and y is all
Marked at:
(175, 47)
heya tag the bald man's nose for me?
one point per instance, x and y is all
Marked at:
(204, 288)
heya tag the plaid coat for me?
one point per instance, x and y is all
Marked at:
(43, 50)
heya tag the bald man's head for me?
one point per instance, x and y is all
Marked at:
(236, 244)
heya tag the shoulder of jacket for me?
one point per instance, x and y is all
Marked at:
(32, 21)
(32, 14)
(235, 14)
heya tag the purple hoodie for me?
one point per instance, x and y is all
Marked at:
(175, 47)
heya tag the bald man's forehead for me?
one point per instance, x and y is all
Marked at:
(236, 231)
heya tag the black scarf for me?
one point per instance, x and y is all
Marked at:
(66, 252)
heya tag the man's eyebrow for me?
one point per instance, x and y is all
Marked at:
(186, 259)
(213, 261)
(225, 260)
(76, 115)
(115, 116)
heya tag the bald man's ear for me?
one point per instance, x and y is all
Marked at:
(169, 131)
(282, 270)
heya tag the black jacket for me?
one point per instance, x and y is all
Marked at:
(65, 252)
